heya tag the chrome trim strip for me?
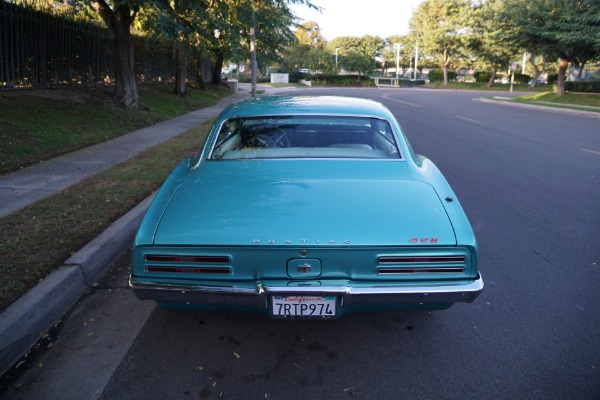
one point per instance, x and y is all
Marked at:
(424, 260)
(257, 297)
(423, 270)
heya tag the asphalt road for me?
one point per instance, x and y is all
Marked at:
(529, 182)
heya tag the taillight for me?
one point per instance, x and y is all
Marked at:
(189, 259)
(420, 260)
(421, 265)
(192, 270)
(187, 264)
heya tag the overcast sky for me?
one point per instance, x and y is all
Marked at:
(360, 17)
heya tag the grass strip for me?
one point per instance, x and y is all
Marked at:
(39, 238)
(37, 125)
(497, 87)
(568, 100)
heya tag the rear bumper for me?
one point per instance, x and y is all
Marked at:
(258, 297)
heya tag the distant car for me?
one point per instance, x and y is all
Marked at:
(306, 207)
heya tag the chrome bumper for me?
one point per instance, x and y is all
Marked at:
(349, 296)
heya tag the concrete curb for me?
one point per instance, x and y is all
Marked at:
(571, 111)
(24, 322)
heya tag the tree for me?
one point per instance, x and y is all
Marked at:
(442, 28)
(357, 53)
(189, 26)
(309, 34)
(319, 60)
(567, 30)
(489, 38)
(357, 62)
(118, 15)
(390, 52)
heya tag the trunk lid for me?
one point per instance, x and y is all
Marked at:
(236, 211)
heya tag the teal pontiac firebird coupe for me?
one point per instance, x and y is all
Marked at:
(305, 207)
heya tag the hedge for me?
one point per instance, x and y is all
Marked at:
(437, 75)
(521, 78)
(583, 87)
(341, 80)
(482, 76)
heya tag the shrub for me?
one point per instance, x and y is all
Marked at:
(437, 75)
(297, 76)
(583, 87)
(522, 78)
(482, 76)
(342, 80)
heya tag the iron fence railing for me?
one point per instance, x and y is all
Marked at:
(46, 43)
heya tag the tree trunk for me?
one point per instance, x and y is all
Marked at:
(560, 84)
(182, 56)
(492, 77)
(125, 82)
(199, 69)
(445, 69)
(536, 75)
(580, 72)
(118, 21)
(217, 68)
(253, 54)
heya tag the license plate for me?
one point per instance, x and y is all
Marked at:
(304, 306)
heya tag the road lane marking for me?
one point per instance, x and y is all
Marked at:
(591, 151)
(385, 96)
(468, 119)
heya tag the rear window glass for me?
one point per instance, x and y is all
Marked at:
(305, 137)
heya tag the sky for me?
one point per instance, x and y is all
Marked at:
(359, 17)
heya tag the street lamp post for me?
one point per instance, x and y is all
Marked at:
(336, 59)
(416, 58)
(397, 45)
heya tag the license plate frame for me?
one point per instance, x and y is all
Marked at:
(303, 307)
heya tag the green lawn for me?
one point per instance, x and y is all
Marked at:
(39, 238)
(37, 125)
(569, 99)
(483, 86)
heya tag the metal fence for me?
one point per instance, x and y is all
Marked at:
(44, 44)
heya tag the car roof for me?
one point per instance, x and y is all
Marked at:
(307, 105)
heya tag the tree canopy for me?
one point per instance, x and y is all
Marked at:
(442, 28)
(484, 34)
(567, 30)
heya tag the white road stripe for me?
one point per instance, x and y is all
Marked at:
(468, 119)
(591, 151)
(400, 101)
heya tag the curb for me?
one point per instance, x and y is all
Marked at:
(572, 111)
(24, 322)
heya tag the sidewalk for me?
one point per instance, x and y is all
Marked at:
(23, 322)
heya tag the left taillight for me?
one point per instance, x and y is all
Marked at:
(188, 264)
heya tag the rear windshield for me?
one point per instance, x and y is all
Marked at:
(305, 137)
